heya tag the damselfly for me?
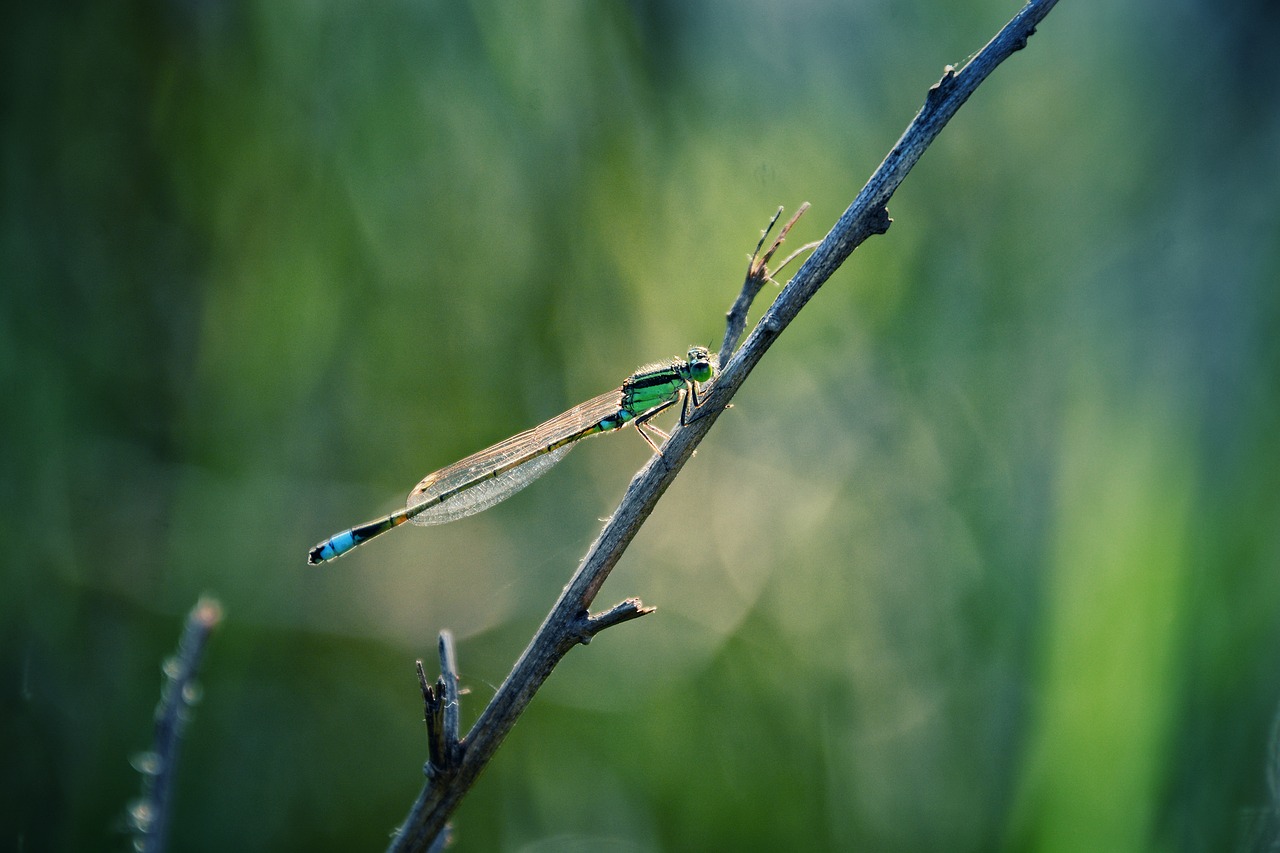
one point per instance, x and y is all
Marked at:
(493, 475)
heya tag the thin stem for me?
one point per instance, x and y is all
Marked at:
(150, 814)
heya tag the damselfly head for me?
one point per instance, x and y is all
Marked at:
(701, 364)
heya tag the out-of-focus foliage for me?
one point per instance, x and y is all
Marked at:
(986, 556)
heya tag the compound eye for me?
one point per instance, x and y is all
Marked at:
(700, 367)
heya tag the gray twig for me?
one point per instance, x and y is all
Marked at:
(149, 815)
(564, 626)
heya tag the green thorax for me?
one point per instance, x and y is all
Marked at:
(662, 384)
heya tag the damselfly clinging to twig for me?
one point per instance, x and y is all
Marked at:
(495, 474)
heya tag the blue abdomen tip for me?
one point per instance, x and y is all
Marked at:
(334, 546)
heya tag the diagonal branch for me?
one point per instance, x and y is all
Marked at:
(563, 627)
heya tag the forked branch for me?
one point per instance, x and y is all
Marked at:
(568, 623)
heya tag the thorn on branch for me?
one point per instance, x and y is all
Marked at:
(879, 221)
(943, 87)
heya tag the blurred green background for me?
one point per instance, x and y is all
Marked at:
(986, 556)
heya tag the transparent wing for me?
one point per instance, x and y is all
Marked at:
(486, 493)
(498, 472)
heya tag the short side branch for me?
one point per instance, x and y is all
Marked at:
(624, 611)
(757, 274)
(444, 747)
